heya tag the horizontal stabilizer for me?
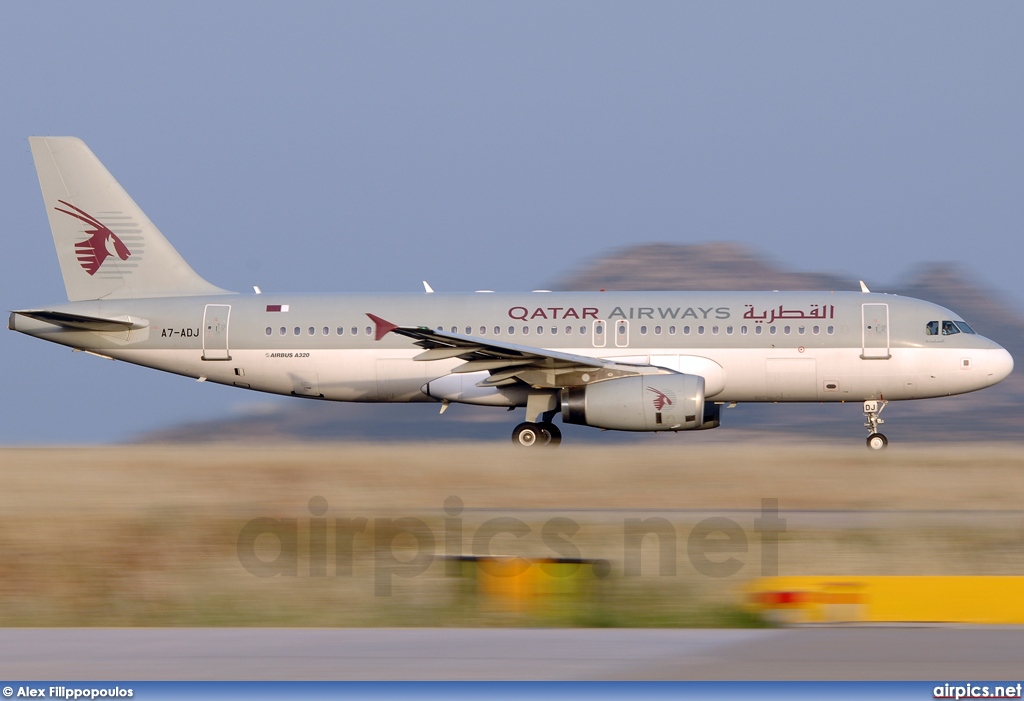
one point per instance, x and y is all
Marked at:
(85, 323)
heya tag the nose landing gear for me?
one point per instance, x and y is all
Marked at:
(872, 409)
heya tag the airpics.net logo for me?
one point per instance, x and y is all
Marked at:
(102, 243)
(407, 547)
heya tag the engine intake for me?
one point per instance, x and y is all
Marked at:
(641, 403)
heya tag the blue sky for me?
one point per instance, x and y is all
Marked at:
(340, 147)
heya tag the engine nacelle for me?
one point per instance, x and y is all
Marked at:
(641, 403)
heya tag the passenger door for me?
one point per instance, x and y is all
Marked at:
(875, 331)
(215, 332)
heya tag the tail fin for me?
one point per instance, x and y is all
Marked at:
(107, 247)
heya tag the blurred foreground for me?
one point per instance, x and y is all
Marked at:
(353, 534)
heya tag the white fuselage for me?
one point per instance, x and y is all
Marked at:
(644, 361)
(300, 352)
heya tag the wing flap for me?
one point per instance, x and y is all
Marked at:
(442, 353)
(494, 364)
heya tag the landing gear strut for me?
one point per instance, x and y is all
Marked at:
(872, 409)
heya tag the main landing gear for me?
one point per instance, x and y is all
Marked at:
(872, 409)
(529, 434)
(538, 429)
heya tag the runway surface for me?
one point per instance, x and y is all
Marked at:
(826, 653)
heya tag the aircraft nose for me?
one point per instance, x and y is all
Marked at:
(999, 365)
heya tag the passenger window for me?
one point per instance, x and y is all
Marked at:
(932, 328)
(728, 330)
(497, 330)
(540, 329)
(657, 330)
(568, 330)
(298, 331)
(341, 330)
(758, 329)
(643, 330)
(269, 331)
(743, 330)
(355, 331)
(312, 331)
(283, 331)
(511, 330)
(327, 331)
(671, 330)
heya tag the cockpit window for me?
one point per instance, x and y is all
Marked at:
(947, 327)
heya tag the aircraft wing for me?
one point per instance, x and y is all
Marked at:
(509, 363)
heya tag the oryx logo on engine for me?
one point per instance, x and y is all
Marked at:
(101, 244)
(661, 400)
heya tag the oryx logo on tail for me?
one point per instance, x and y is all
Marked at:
(101, 244)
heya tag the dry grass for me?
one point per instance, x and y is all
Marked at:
(148, 535)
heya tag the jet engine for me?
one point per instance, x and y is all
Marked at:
(641, 403)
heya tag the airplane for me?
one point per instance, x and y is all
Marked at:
(626, 361)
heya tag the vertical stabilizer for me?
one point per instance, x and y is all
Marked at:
(107, 247)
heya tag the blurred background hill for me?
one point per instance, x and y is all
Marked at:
(994, 414)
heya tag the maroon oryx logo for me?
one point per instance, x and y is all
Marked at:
(101, 244)
(661, 400)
